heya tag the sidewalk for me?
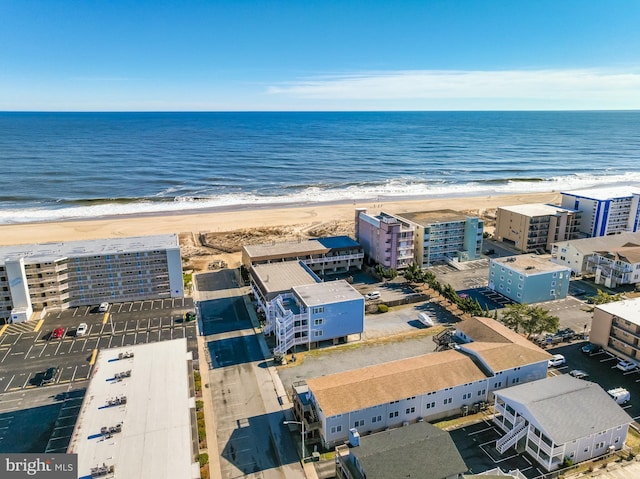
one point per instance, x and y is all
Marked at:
(285, 405)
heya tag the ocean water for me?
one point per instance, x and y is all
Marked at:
(76, 165)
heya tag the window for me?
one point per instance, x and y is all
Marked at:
(376, 419)
(515, 380)
(466, 396)
(317, 333)
(600, 445)
(481, 392)
(358, 423)
(448, 400)
(317, 310)
(393, 414)
(498, 384)
(430, 405)
(318, 322)
(409, 410)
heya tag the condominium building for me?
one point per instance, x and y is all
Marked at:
(559, 418)
(324, 256)
(605, 211)
(488, 357)
(574, 254)
(387, 239)
(76, 273)
(300, 310)
(616, 327)
(434, 236)
(615, 267)
(528, 279)
(534, 227)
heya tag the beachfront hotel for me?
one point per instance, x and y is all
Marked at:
(38, 277)
(536, 226)
(326, 256)
(425, 238)
(605, 211)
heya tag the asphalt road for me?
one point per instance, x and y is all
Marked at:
(251, 437)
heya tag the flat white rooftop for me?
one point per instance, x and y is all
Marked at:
(605, 193)
(329, 292)
(528, 264)
(535, 209)
(156, 432)
(42, 252)
(629, 309)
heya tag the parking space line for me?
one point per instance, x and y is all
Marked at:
(94, 353)
(3, 329)
(9, 383)
(38, 326)
(105, 318)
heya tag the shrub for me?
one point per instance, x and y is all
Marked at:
(203, 459)
(199, 405)
(383, 308)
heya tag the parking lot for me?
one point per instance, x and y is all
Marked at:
(28, 349)
(601, 369)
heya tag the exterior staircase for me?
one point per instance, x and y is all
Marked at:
(513, 436)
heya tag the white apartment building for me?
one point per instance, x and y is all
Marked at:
(76, 273)
(574, 254)
(559, 418)
(489, 357)
(605, 211)
(615, 267)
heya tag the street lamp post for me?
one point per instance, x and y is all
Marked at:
(301, 435)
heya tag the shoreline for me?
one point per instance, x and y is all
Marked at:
(230, 218)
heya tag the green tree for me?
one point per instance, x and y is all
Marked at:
(514, 316)
(540, 320)
(602, 297)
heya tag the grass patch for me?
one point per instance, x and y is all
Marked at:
(203, 459)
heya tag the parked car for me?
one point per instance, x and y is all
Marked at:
(103, 307)
(557, 360)
(57, 333)
(372, 295)
(590, 348)
(82, 329)
(620, 395)
(626, 366)
(425, 319)
(49, 376)
(579, 373)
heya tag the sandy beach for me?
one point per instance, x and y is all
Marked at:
(222, 221)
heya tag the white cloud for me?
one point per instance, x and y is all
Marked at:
(573, 86)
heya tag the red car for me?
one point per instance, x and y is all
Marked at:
(57, 333)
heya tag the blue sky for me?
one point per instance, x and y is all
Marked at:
(319, 55)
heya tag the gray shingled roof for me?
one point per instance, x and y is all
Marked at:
(419, 450)
(566, 408)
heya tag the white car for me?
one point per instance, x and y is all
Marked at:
(425, 319)
(82, 329)
(626, 366)
(373, 295)
(103, 307)
(557, 360)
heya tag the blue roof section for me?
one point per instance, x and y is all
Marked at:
(338, 242)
